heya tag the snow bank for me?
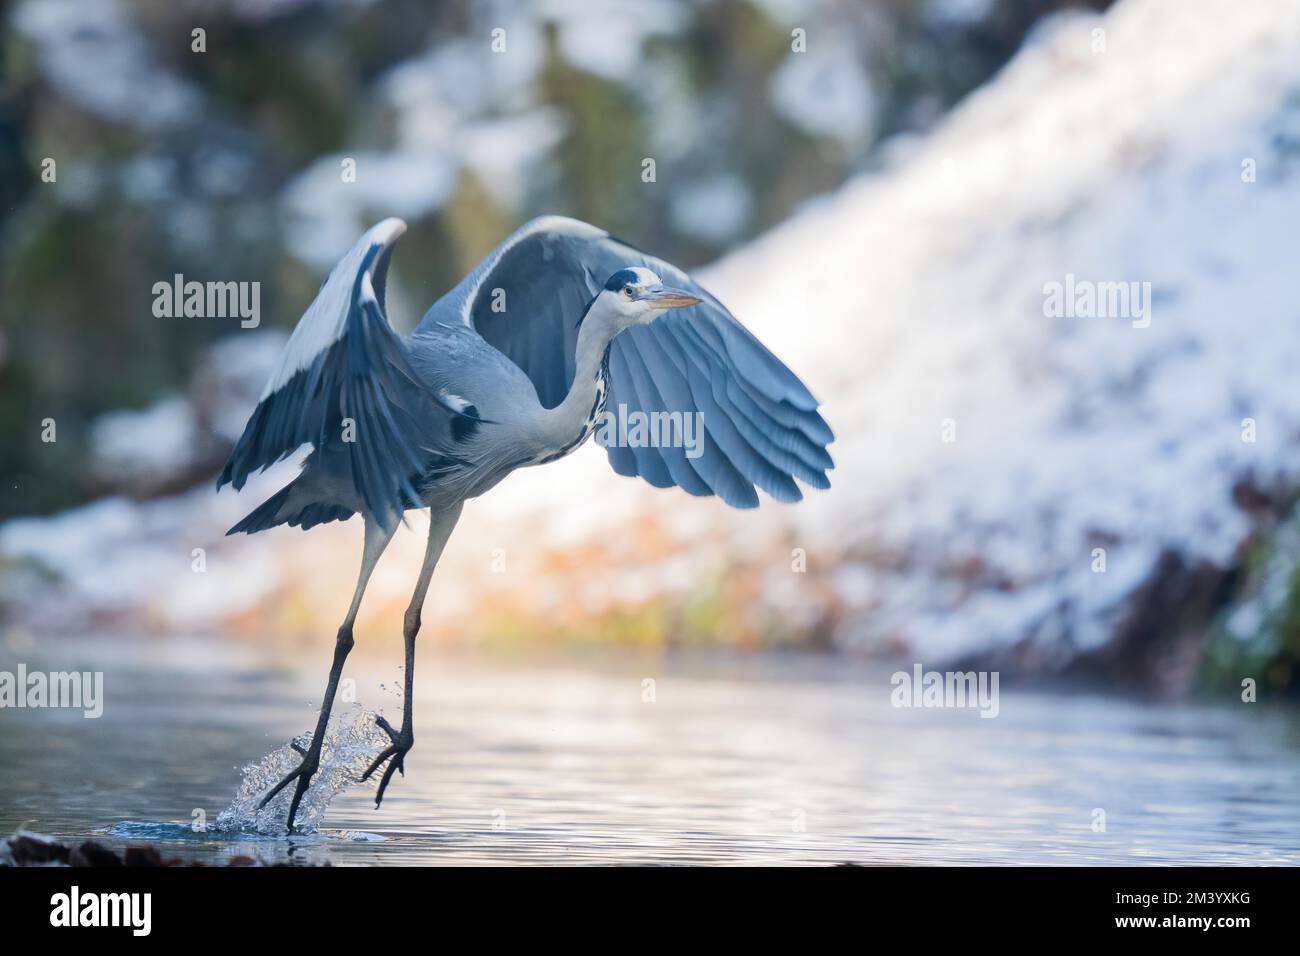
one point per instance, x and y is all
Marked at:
(1112, 149)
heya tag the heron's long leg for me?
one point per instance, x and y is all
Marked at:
(441, 524)
(377, 539)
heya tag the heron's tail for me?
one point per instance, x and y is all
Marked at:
(279, 509)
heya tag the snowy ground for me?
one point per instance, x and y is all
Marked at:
(985, 449)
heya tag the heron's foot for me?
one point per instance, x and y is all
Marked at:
(403, 741)
(303, 774)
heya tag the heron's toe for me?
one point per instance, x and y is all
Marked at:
(395, 754)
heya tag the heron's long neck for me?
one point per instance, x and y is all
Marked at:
(586, 398)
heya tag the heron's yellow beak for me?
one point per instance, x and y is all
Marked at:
(668, 298)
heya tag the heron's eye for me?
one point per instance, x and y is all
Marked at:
(627, 290)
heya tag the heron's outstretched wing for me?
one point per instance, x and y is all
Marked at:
(344, 379)
(761, 424)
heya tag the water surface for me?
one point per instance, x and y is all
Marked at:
(744, 760)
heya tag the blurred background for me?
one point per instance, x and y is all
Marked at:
(891, 184)
(226, 162)
(884, 191)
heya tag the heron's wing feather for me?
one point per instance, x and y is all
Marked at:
(526, 298)
(345, 380)
(760, 424)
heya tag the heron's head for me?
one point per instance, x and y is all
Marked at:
(635, 296)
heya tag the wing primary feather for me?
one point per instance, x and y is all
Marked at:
(748, 462)
(649, 369)
(757, 435)
(650, 464)
(787, 448)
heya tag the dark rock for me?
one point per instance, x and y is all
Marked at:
(34, 849)
(145, 856)
(28, 849)
(1158, 646)
(91, 853)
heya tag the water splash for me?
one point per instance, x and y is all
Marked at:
(352, 741)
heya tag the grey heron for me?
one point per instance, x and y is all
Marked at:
(513, 367)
